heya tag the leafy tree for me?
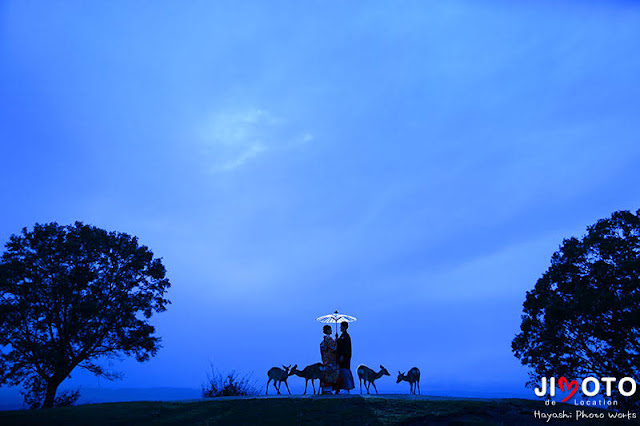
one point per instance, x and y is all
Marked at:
(583, 316)
(70, 295)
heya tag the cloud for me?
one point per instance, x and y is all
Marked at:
(232, 139)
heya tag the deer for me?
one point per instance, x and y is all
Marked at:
(369, 376)
(310, 372)
(413, 377)
(278, 375)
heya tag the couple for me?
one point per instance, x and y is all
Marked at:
(336, 358)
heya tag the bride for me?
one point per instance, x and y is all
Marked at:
(328, 349)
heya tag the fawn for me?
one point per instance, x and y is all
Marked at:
(278, 375)
(413, 377)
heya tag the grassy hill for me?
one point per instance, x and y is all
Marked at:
(354, 410)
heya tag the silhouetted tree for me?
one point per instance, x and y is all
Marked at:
(70, 295)
(583, 316)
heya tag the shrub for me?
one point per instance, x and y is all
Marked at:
(231, 384)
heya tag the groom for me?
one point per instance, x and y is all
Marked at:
(345, 380)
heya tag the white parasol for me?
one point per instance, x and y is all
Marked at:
(335, 318)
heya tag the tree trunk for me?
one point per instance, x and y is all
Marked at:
(50, 395)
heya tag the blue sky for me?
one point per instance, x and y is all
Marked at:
(414, 164)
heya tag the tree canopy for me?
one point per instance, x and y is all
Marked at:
(70, 295)
(583, 316)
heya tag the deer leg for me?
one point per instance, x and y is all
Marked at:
(367, 385)
(374, 386)
(305, 386)
(418, 383)
(267, 392)
(313, 383)
(277, 387)
(285, 383)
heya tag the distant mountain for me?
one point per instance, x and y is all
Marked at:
(10, 398)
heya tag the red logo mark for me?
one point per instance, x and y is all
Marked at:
(566, 385)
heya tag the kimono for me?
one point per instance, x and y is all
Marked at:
(328, 349)
(345, 380)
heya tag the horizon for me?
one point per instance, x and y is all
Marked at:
(413, 165)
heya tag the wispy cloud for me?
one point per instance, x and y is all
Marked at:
(232, 139)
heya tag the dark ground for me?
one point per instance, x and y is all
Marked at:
(334, 410)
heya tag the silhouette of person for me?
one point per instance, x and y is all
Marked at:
(328, 354)
(345, 380)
